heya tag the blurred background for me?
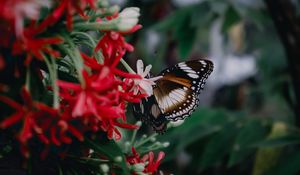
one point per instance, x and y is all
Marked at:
(247, 120)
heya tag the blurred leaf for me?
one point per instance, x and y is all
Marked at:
(231, 17)
(184, 30)
(185, 34)
(289, 165)
(218, 146)
(280, 141)
(252, 132)
(218, 6)
(172, 20)
(267, 157)
(258, 17)
(201, 15)
(109, 149)
(202, 123)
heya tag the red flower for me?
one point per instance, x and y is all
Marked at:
(153, 165)
(112, 41)
(67, 7)
(35, 47)
(150, 165)
(99, 103)
(16, 11)
(40, 120)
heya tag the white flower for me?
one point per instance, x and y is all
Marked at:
(145, 84)
(128, 18)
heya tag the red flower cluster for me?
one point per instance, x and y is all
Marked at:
(48, 124)
(150, 165)
(101, 102)
(97, 103)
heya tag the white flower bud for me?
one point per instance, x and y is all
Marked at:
(118, 159)
(104, 168)
(166, 144)
(153, 139)
(128, 18)
(139, 167)
(138, 123)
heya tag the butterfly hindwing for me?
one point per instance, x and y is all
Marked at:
(149, 112)
(177, 91)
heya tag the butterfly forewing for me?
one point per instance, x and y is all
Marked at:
(175, 95)
(177, 92)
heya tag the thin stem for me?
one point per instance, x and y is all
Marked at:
(76, 58)
(88, 159)
(129, 69)
(27, 82)
(103, 25)
(133, 137)
(145, 141)
(54, 85)
(53, 78)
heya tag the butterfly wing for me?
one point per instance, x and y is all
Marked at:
(148, 111)
(176, 93)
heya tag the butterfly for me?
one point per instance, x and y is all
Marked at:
(175, 95)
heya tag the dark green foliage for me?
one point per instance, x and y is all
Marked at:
(227, 139)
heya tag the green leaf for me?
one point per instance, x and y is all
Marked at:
(289, 165)
(231, 17)
(170, 21)
(111, 150)
(290, 139)
(218, 146)
(184, 25)
(252, 132)
(201, 124)
(186, 43)
(185, 34)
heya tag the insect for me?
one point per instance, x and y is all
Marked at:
(175, 95)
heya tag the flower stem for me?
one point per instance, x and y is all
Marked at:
(54, 85)
(134, 135)
(129, 69)
(146, 140)
(75, 56)
(88, 159)
(103, 25)
(53, 77)
(27, 82)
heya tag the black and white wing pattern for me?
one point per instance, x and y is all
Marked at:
(148, 111)
(177, 92)
(175, 95)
